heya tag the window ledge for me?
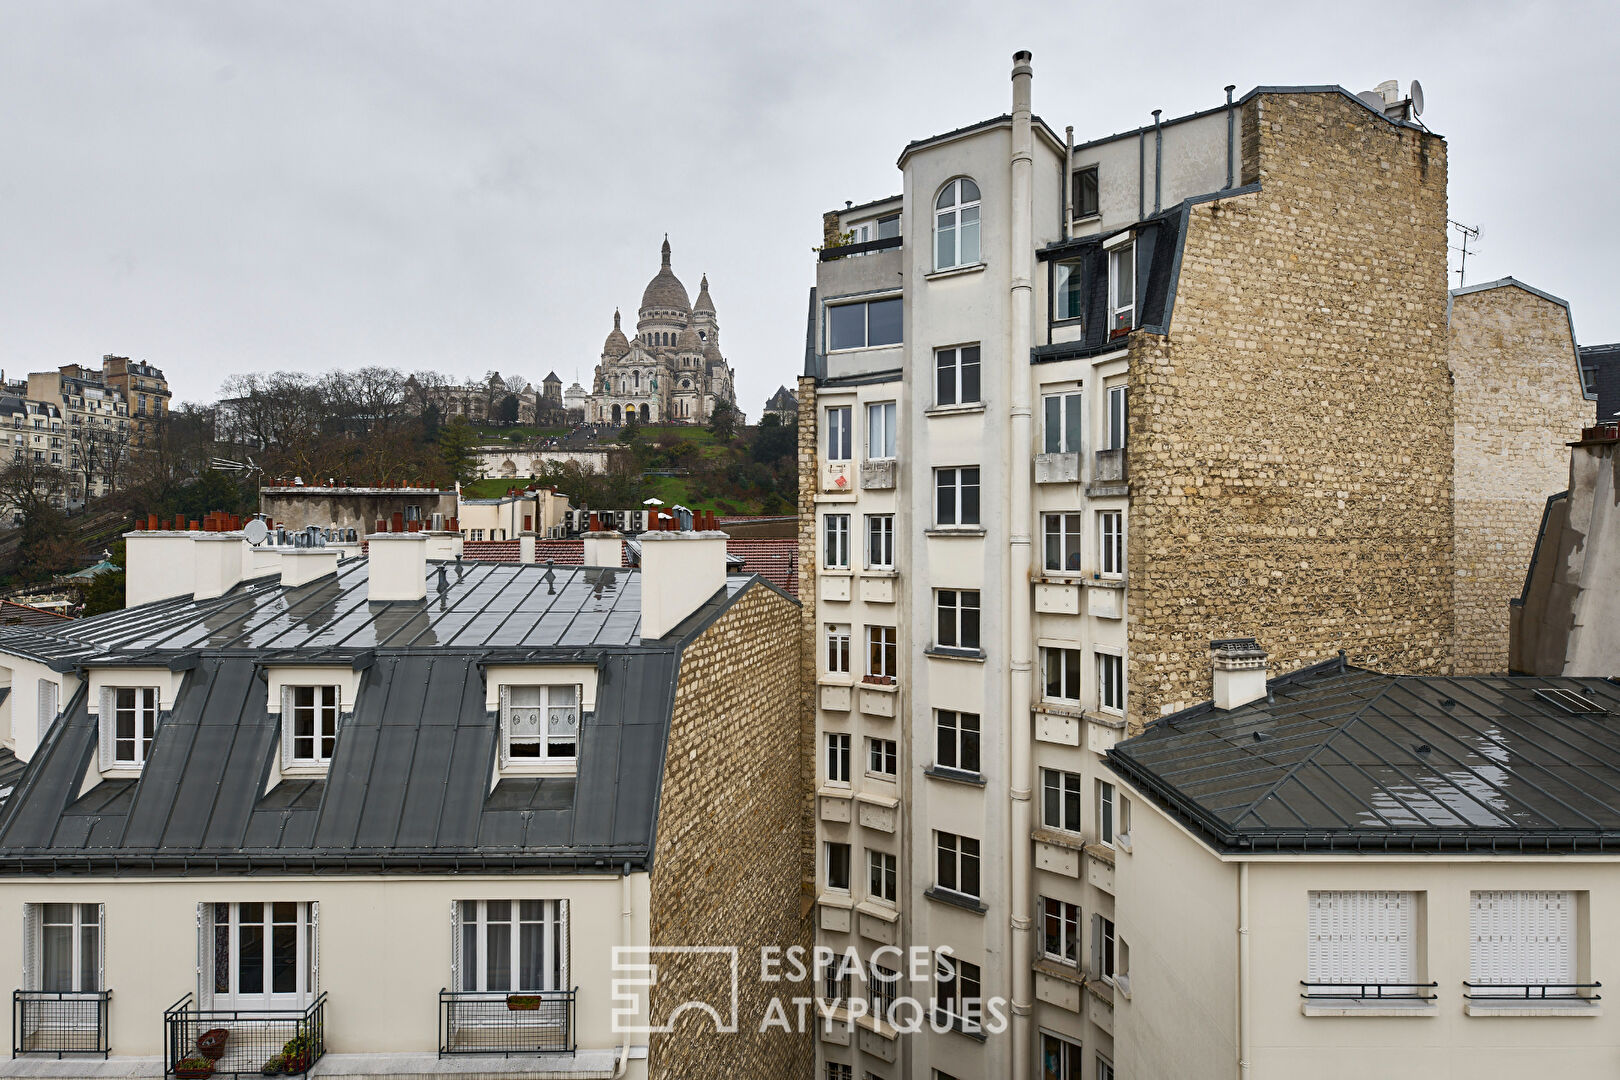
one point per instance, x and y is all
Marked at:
(1058, 838)
(836, 571)
(1058, 577)
(834, 680)
(976, 531)
(878, 910)
(1107, 720)
(958, 1025)
(830, 497)
(949, 652)
(1521, 1007)
(841, 901)
(1105, 583)
(954, 776)
(888, 802)
(304, 772)
(955, 410)
(876, 1026)
(514, 768)
(1100, 851)
(122, 772)
(882, 688)
(1102, 490)
(1356, 1007)
(1057, 969)
(955, 271)
(881, 572)
(835, 793)
(957, 900)
(1071, 709)
(867, 348)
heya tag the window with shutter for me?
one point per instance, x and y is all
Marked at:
(48, 694)
(1522, 938)
(1362, 937)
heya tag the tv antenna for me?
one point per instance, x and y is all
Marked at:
(1467, 232)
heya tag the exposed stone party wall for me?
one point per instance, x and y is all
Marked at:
(809, 476)
(1290, 441)
(727, 863)
(1518, 402)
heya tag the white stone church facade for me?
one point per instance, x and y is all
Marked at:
(672, 371)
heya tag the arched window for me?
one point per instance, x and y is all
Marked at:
(615, 414)
(956, 224)
(645, 415)
(638, 379)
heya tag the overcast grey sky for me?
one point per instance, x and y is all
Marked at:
(226, 186)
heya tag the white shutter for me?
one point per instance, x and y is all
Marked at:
(506, 704)
(205, 955)
(562, 943)
(1522, 937)
(1096, 947)
(314, 948)
(101, 947)
(48, 691)
(1362, 937)
(455, 945)
(286, 726)
(106, 722)
(30, 929)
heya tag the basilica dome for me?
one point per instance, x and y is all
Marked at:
(665, 291)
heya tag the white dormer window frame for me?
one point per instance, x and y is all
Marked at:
(1122, 287)
(311, 716)
(541, 725)
(130, 716)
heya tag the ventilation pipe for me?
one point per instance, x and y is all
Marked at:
(1017, 587)
(680, 572)
(1231, 132)
(1240, 672)
(1067, 176)
(397, 567)
(1158, 161)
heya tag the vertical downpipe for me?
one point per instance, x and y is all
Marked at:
(1067, 172)
(1244, 973)
(626, 939)
(1019, 629)
(1141, 174)
(1229, 132)
(1158, 161)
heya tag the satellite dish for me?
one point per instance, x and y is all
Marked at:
(255, 531)
(1417, 98)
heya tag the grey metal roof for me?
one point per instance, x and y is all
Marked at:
(1343, 758)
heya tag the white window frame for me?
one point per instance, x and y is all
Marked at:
(145, 710)
(837, 853)
(835, 541)
(325, 707)
(880, 541)
(954, 735)
(1119, 304)
(955, 1001)
(1070, 1054)
(1063, 410)
(882, 758)
(1111, 543)
(957, 366)
(305, 967)
(956, 213)
(951, 622)
(472, 921)
(1061, 792)
(1105, 935)
(1118, 417)
(881, 421)
(1068, 279)
(884, 642)
(1067, 917)
(882, 876)
(1107, 804)
(1096, 190)
(958, 853)
(840, 437)
(838, 764)
(87, 961)
(560, 722)
(866, 324)
(1111, 683)
(1069, 537)
(838, 643)
(1068, 661)
(954, 478)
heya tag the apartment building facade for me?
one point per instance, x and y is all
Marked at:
(145, 390)
(1068, 415)
(96, 428)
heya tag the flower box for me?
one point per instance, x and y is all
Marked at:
(523, 1002)
(211, 1043)
(194, 1069)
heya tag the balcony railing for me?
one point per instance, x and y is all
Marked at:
(1333, 991)
(844, 251)
(1531, 991)
(59, 1023)
(535, 1022)
(252, 1039)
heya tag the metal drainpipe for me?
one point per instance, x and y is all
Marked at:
(1158, 160)
(1229, 132)
(1022, 297)
(1141, 174)
(1068, 178)
(626, 936)
(1243, 971)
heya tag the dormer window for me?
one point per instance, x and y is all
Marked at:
(129, 720)
(540, 724)
(311, 715)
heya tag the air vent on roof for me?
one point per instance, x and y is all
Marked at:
(1570, 701)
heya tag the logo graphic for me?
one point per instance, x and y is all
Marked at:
(636, 973)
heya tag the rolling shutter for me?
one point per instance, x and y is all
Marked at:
(1362, 937)
(506, 704)
(107, 721)
(1521, 937)
(30, 929)
(286, 726)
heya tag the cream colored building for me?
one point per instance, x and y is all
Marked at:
(1348, 874)
(535, 511)
(400, 815)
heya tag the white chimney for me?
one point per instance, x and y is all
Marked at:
(526, 547)
(300, 566)
(398, 567)
(680, 572)
(157, 565)
(1240, 672)
(217, 560)
(606, 548)
(442, 544)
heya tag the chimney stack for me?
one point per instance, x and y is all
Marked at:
(604, 549)
(397, 567)
(1240, 672)
(218, 559)
(300, 566)
(680, 572)
(157, 565)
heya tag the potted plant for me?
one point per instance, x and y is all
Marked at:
(523, 1002)
(296, 1055)
(273, 1066)
(194, 1068)
(211, 1043)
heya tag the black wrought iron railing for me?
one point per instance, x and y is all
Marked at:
(242, 1042)
(54, 1023)
(1337, 991)
(1476, 991)
(536, 1022)
(843, 251)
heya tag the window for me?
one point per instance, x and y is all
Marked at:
(880, 541)
(959, 994)
(838, 867)
(882, 875)
(1060, 800)
(511, 945)
(838, 1071)
(1105, 1068)
(541, 722)
(956, 496)
(1111, 543)
(1105, 812)
(1111, 682)
(64, 945)
(1102, 948)
(880, 431)
(1060, 931)
(863, 325)
(838, 433)
(134, 723)
(838, 649)
(835, 981)
(888, 226)
(477, 534)
(263, 955)
(1522, 938)
(882, 757)
(1062, 533)
(957, 745)
(1116, 418)
(957, 866)
(835, 531)
(1060, 673)
(1361, 938)
(882, 651)
(956, 376)
(1068, 301)
(958, 618)
(885, 982)
(956, 225)
(312, 722)
(838, 758)
(1063, 422)
(1122, 287)
(1085, 194)
(1060, 1058)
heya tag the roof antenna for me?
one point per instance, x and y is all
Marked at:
(1468, 232)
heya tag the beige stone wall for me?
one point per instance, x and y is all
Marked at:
(809, 416)
(1518, 403)
(727, 865)
(1290, 441)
